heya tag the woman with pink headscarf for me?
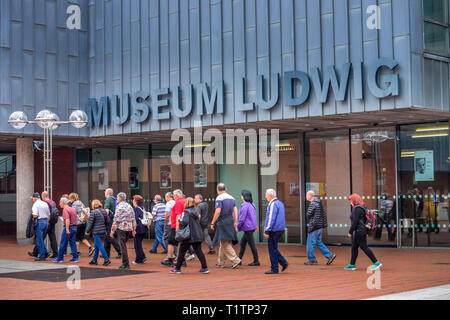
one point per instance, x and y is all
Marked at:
(358, 233)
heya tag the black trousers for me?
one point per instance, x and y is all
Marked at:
(123, 237)
(140, 255)
(183, 248)
(360, 241)
(53, 243)
(248, 238)
(107, 245)
(386, 221)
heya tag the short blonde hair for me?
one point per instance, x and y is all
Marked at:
(73, 196)
(96, 204)
(189, 202)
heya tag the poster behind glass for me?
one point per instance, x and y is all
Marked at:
(200, 175)
(165, 176)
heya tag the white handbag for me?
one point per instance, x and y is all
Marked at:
(147, 219)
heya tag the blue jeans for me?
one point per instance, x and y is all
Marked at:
(275, 255)
(315, 240)
(41, 230)
(99, 247)
(66, 239)
(159, 230)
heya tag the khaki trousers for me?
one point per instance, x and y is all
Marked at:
(226, 251)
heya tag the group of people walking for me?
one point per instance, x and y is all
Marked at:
(181, 226)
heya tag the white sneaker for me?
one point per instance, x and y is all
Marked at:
(236, 264)
(192, 256)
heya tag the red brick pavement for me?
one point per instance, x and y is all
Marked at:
(403, 270)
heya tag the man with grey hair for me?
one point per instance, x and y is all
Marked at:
(158, 217)
(176, 212)
(170, 202)
(202, 208)
(317, 222)
(125, 225)
(273, 230)
(69, 232)
(110, 207)
(225, 216)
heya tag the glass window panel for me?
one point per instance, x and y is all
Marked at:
(240, 176)
(166, 176)
(286, 184)
(435, 10)
(134, 172)
(436, 38)
(104, 172)
(424, 176)
(374, 178)
(83, 175)
(327, 172)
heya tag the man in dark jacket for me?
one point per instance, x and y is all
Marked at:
(110, 207)
(202, 208)
(317, 222)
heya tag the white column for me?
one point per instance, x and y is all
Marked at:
(24, 187)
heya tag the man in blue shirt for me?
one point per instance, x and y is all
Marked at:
(274, 228)
(159, 215)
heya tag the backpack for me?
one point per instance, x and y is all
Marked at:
(54, 213)
(370, 219)
(85, 213)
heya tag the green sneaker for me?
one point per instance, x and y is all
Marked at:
(375, 266)
(350, 267)
(123, 267)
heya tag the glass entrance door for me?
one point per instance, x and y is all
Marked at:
(374, 178)
(363, 161)
(327, 162)
(424, 178)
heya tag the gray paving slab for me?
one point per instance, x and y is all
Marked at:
(7, 266)
(433, 293)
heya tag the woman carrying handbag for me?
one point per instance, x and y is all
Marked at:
(189, 232)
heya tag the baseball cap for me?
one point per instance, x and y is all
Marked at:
(36, 195)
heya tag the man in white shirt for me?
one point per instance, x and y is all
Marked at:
(40, 211)
(170, 202)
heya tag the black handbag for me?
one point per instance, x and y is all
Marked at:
(183, 234)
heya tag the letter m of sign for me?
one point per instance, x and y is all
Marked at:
(98, 114)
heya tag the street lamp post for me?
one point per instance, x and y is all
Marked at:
(48, 121)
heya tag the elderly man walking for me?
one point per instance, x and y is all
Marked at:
(176, 212)
(41, 212)
(124, 224)
(317, 222)
(159, 215)
(274, 228)
(110, 207)
(50, 229)
(202, 208)
(225, 223)
(69, 232)
(170, 202)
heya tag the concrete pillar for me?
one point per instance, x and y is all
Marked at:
(24, 187)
